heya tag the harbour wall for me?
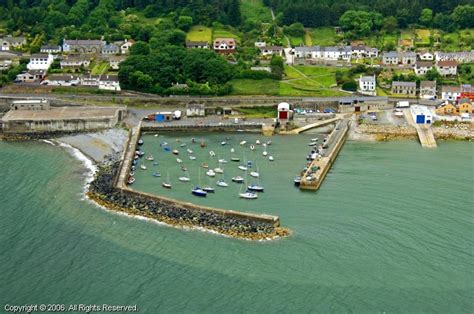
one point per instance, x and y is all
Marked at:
(119, 196)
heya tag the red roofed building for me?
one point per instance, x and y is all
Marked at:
(225, 45)
(447, 67)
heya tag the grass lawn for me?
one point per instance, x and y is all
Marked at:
(255, 87)
(324, 36)
(459, 40)
(220, 33)
(308, 40)
(100, 68)
(255, 10)
(199, 33)
(296, 41)
(423, 35)
(291, 73)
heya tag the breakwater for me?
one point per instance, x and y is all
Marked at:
(231, 223)
(208, 127)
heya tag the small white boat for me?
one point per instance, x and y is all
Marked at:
(252, 147)
(149, 158)
(189, 151)
(254, 174)
(236, 159)
(248, 195)
(222, 183)
(238, 179)
(178, 160)
(208, 189)
(222, 161)
(232, 150)
(223, 143)
(143, 167)
(264, 153)
(243, 143)
(314, 139)
(271, 158)
(130, 180)
(175, 151)
(218, 170)
(156, 135)
(269, 143)
(257, 142)
(243, 168)
(183, 145)
(192, 157)
(211, 173)
(264, 144)
(212, 154)
(184, 179)
(166, 185)
(205, 165)
(255, 188)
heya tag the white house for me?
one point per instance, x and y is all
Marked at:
(40, 61)
(125, 45)
(428, 89)
(61, 80)
(9, 42)
(50, 49)
(114, 61)
(447, 68)
(421, 114)
(271, 50)
(260, 44)
(109, 82)
(426, 56)
(367, 85)
(195, 110)
(422, 67)
(75, 62)
(390, 57)
(90, 80)
(450, 93)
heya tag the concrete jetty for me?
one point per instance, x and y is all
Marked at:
(317, 170)
(311, 126)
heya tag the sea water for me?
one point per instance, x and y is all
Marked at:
(390, 230)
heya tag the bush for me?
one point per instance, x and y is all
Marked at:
(350, 86)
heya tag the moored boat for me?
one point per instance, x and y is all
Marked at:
(212, 154)
(238, 179)
(156, 174)
(222, 183)
(254, 174)
(211, 173)
(178, 160)
(297, 180)
(271, 158)
(175, 151)
(243, 143)
(130, 180)
(143, 167)
(248, 195)
(199, 192)
(149, 158)
(255, 188)
(140, 142)
(192, 157)
(243, 168)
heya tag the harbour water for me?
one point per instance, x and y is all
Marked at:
(391, 230)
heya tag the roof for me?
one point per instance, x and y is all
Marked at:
(408, 54)
(420, 110)
(196, 43)
(465, 100)
(367, 78)
(75, 58)
(39, 55)
(424, 64)
(271, 48)
(224, 40)
(426, 84)
(82, 42)
(10, 53)
(110, 47)
(61, 77)
(447, 63)
(109, 78)
(404, 84)
(51, 47)
(61, 113)
(14, 39)
(195, 106)
(450, 89)
(390, 54)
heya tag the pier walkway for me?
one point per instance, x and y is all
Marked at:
(317, 170)
(425, 134)
(311, 126)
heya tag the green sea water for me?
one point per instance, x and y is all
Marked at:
(391, 230)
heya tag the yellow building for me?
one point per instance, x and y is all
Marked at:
(465, 106)
(447, 109)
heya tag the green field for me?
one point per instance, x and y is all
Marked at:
(100, 68)
(223, 33)
(456, 41)
(324, 36)
(255, 10)
(296, 41)
(423, 35)
(199, 33)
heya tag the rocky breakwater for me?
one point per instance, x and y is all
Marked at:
(384, 132)
(102, 191)
(453, 130)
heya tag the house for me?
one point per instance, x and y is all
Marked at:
(362, 103)
(428, 89)
(114, 61)
(408, 57)
(30, 104)
(425, 55)
(324, 53)
(260, 44)
(83, 46)
(30, 76)
(467, 91)
(362, 51)
(61, 80)
(225, 45)
(5, 63)
(422, 67)
(9, 42)
(40, 61)
(75, 62)
(447, 68)
(460, 57)
(404, 88)
(271, 50)
(109, 82)
(446, 109)
(9, 58)
(197, 45)
(421, 114)
(284, 112)
(125, 45)
(50, 49)
(464, 106)
(90, 80)
(450, 92)
(110, 49)
(390, 58)
(195, 110)
(367, 85)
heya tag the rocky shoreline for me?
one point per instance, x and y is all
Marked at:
(102, 191)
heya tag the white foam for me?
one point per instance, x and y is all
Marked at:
(49, 142)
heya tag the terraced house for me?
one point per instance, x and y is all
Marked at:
(404, 88)
(83, 46)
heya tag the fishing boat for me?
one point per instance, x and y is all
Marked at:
(238, 179)
(271, 158)
(211, 173)
(136, 157)
(167, 149)
(156, 174)
(149, 158)
(143, 167)
(297, 180)
(192, 157)
(203, 144)
(252, 147)
(199, 192)
(130, 180)
(243, 143)
(175, 151)
(264, 153)
(314, 139)
(218, 170)
(132, 173)
(167, 183)
(189, 151)
(222, 183)
(212, 154)
(141, 153)
(134, 162)
(133, 168)
(140, 142)
(178, 160)
(243, 168)
(312, 143)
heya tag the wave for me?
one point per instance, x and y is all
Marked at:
(49, 142)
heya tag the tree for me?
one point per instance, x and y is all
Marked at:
(463, 15)
(426, 17)
(433, 75)
(295, 29)
(233, 13)
(390, 24)
(184, 23)
(140, 48)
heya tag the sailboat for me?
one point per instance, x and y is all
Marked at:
(167, 183)
(265, 153)
(247, 194)
(256, 187)
(232, 158)
(219, 169)
(243, 167)
(238, 179)
(255, 174)
(197, 190)
(184, 179)
(222, 182)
